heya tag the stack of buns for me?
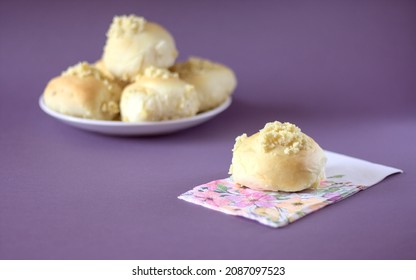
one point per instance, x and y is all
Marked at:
(137, 79)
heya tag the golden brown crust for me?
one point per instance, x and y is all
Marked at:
(82, 91)
(214, 82)
(133, 44)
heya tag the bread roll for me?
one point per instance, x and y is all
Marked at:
(213, 82)
(278, 158)
(158, 95)
(133, 44)
(83, 91)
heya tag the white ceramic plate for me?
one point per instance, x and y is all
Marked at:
(140, 128)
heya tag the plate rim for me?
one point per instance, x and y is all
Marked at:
(103, 123)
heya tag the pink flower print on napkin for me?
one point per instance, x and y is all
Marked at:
(248, 197)
(332, 197)
(212, 198)
(275, 209)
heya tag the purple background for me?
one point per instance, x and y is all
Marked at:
(344, 71)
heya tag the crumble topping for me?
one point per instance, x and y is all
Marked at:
(286, 135)
(154, 72)
(84, 69)
(126, 24)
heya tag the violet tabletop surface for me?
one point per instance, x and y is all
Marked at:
(343, 71)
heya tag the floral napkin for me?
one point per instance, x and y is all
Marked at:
(345, 177)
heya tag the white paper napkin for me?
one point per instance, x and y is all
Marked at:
(345, 176)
